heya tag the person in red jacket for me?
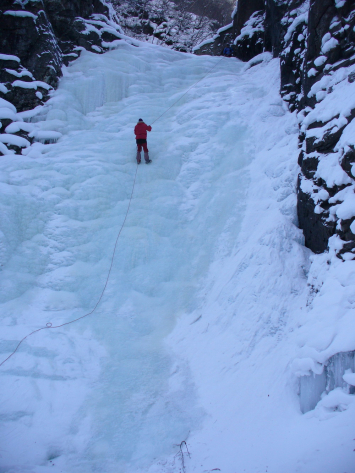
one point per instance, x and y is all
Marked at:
(140, 130)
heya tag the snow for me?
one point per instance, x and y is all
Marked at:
(346, 209)
(96, 48)
(9, 57)
(17, 126)
(312, 72)
(350, 378)
(321, 95)
(301, 18)
(253, 25)
(14, 140)
(4, 150)
(224, 28)
(329, 44)
(204, 43)
(31, 85)
(235, 9)
(214, 311)
(5, 104)
(339, 102)
(21, 14)
(3, 88)
(347, 138)
(22, 73)
(319, 61)
(330, 171)
(263, 57)
(340, 3)
(6, 113)
(45, 135)
(332, 126)
(30, 114)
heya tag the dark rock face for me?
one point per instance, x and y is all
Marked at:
(43, 35)
(328, 52)
(302, 46)
(224, 37)
(67, 20)
(246, 32)
(348, 160)
(246, 8)
(250, 41)
(33, 41)
(316, 231)
(275, 26)
(315, 41)
(38, 37)
(292, 47)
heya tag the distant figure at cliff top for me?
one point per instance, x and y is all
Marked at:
(227, 51)
(140, 130)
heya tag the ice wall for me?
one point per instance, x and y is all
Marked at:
(107, 79)
(314, 386)
(104, 394)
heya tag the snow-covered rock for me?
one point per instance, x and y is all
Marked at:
(316, 45)
(38, 38)
(165, 23)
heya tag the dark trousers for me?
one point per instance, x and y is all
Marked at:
(141, 143)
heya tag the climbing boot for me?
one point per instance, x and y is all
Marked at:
(138, 157)
(146, 157)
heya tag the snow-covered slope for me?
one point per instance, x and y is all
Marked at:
(207, 320)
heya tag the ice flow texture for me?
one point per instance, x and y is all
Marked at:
(99, 394)
(312, 387)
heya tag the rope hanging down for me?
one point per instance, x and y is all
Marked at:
(49, 325)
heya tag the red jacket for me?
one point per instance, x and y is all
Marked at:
(140, 130)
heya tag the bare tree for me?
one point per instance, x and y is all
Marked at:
(219, 10)
(160, 9)
(166, 22)
(184, 18)
(199, 32)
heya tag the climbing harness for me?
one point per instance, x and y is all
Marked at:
(49, 325)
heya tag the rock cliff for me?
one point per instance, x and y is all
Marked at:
(36, 38)
(315, 41)
(246, 32)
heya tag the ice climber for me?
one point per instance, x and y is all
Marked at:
(140, 130)
(228, 51)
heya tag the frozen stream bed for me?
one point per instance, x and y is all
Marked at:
(195, 330)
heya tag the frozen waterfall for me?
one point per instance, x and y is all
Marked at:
(99, 390)
(207, 306)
